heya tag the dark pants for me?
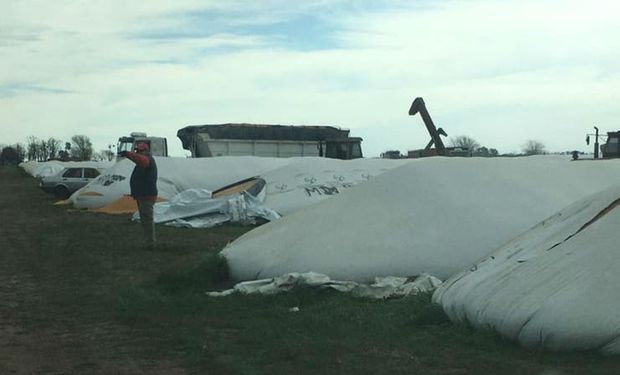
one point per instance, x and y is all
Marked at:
(145, 207)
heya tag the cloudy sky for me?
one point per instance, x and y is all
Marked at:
(499, 71)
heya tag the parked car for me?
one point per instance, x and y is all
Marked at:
(69, 180)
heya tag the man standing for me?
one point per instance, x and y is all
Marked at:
(143, 185)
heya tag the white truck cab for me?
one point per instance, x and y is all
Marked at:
(157, 145)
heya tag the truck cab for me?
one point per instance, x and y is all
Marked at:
(343, 148)
(611, 148)
(157, 145)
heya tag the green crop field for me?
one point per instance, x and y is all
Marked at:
(78, 295)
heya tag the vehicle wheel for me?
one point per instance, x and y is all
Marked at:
(61, 192)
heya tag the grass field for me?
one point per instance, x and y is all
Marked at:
(79, 295)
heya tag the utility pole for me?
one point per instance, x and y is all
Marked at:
(596, 143)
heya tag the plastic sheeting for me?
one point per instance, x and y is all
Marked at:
(306, 181)
(174, 176)
(383, 287)
(196, 208)
(292, 183)
(554, 287)
(299, 184)
(434, 215)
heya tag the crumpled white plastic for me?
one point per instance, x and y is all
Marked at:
(195, 208)
(383, 287)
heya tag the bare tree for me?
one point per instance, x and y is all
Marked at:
(43, 150)
(464, 141)
(21, 152)
(32, 143)
(81, 147)
(533, 147)
(53, 146)
(102, 155)
(107, 155)
(481, 151)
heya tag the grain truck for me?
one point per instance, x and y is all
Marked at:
(238, 139)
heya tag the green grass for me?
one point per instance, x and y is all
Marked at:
(83, 281)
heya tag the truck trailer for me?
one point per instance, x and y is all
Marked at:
(214, 140)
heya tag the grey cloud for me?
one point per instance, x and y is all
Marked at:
(9, 90)
(15, 36)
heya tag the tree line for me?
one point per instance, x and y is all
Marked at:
(80, 148)
(530, 147)
(471, 147)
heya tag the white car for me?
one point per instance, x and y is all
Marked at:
(67, 181)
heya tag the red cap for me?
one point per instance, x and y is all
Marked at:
(142, 146)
